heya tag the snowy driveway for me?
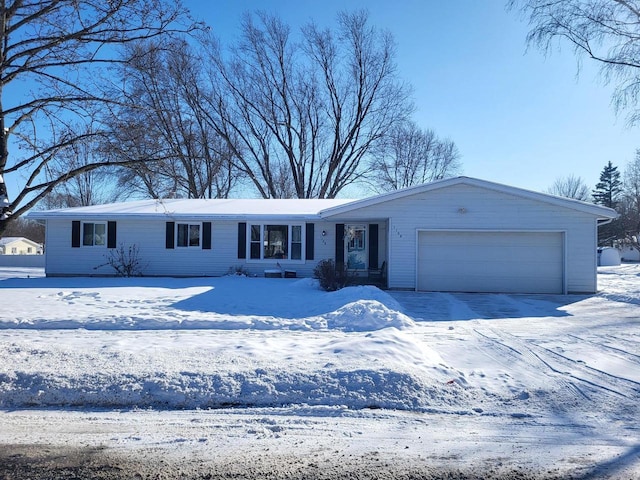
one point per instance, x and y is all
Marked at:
(434, 306)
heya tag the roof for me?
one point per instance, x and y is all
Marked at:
(295, 208)
(596, 210)
(8, 240)
(197, 208)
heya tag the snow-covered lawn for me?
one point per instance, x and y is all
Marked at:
(181, 368)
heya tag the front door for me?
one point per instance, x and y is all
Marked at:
(356, 247)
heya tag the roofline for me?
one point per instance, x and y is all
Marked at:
(136, 210)
(598, 211)
(57, 214)
(586, 207)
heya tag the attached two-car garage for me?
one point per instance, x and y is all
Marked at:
(469, 235)
(491, 261)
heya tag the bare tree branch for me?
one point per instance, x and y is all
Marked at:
(302, 117)
(410, 156)
(607, 31)
(62, 51)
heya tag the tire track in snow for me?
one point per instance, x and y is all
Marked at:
(588, 378)
(518, 351)
(616, 351)
(623, 386)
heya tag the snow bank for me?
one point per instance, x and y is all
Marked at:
(210, 343)
(225, 303)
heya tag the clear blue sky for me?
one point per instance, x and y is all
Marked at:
(518, 117)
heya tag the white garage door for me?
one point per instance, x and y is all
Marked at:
(506, 262)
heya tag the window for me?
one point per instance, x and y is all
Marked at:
(188, 235)
(94, 234)
(275, 242)
(255, 241)
(296, 242)
(29, 250)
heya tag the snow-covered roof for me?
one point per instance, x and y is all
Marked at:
(296, 208)
(596, 210)
(194, 208)
(8, 240)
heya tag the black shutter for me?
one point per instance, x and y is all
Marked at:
(206, 235)
(75, 233)
(373, 245)
(170, 235)
(242, 240)
(111, 234)
(309, 242)
(340, 245)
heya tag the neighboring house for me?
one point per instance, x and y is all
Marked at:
(19, 246)
(457, 234)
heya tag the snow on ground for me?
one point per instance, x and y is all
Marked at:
(545, 383)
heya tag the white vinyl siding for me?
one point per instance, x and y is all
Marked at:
(150, 237)
(468, 207)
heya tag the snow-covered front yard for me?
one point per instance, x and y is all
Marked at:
(245, 376)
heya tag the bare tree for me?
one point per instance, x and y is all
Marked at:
(607, 31)
(302, 116)
(60, 52)
(408, 156)
(167, 125)
(92, 187)
(629, 208)
(570, 187)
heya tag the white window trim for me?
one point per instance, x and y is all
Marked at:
(94, 245)
(290, 226)
(198, 224)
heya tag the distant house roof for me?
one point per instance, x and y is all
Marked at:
(295, 208)
(8, 240)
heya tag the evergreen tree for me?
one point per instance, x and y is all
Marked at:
(607, 193)
(609, 188)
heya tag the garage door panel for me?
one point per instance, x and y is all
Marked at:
(530, 262)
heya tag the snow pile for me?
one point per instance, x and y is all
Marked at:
(366, 315)
(203, 343)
